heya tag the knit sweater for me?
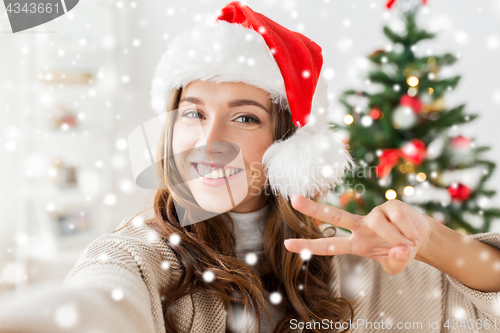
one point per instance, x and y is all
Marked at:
(114, 287)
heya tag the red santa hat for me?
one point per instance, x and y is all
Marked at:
(245, 46)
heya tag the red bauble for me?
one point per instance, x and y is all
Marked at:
(413, 102)
(462, 141)
(459, 192)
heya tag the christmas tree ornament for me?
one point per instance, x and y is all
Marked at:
(461, 142)
(435, 148)
(412, 91)
(470, 177)
(460, 148)
(414, 152)
(483, 202)
(404, 118)
(412, 101)
(366, 121)
(459, 192)
(376, 114)
(282, 62)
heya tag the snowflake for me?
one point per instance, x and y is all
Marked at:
(459, 312)
(305, 254)
(165, 265)
(208, 276)
(251, 258)
(275, 297)
(174, 239)
(117, 294)
(484, 255)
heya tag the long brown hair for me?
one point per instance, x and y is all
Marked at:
(209, 245)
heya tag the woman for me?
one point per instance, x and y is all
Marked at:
(214, 258)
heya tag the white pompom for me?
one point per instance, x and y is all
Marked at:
(307, 162)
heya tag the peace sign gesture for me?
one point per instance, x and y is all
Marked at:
(390, 234)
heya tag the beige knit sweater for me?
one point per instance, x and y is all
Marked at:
(114, 288)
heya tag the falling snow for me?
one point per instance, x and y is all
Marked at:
(117, 294)
(174, 239)
(208, 276)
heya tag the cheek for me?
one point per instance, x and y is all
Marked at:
(182, 140)
(253, 152)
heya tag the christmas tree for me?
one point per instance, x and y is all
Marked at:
(400, 138)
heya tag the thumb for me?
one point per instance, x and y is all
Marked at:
(398, 258)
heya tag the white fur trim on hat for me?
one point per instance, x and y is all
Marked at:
(218, 52)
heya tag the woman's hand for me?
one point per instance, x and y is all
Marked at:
(390, 234)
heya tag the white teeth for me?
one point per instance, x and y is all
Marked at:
(208, 172)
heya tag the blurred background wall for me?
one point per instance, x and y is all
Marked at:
(73, 89)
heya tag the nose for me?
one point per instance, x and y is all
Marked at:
(212, 138)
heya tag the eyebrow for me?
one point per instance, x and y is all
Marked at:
(234, 103)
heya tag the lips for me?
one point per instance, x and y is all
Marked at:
(216, 172)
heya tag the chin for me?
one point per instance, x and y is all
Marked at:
(220, 199)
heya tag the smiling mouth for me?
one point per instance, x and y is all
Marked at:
(212, 173)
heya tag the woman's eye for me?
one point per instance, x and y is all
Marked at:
(191, 114)
(248, 119)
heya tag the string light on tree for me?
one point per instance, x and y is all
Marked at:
(421, 177)
(409, 191)
(390, 194)
(412, 81)
(348, 119)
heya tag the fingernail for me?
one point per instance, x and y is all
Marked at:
(285, 242)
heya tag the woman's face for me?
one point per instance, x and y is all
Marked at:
(220, 135)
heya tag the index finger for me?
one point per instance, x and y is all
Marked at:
(328, 214)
